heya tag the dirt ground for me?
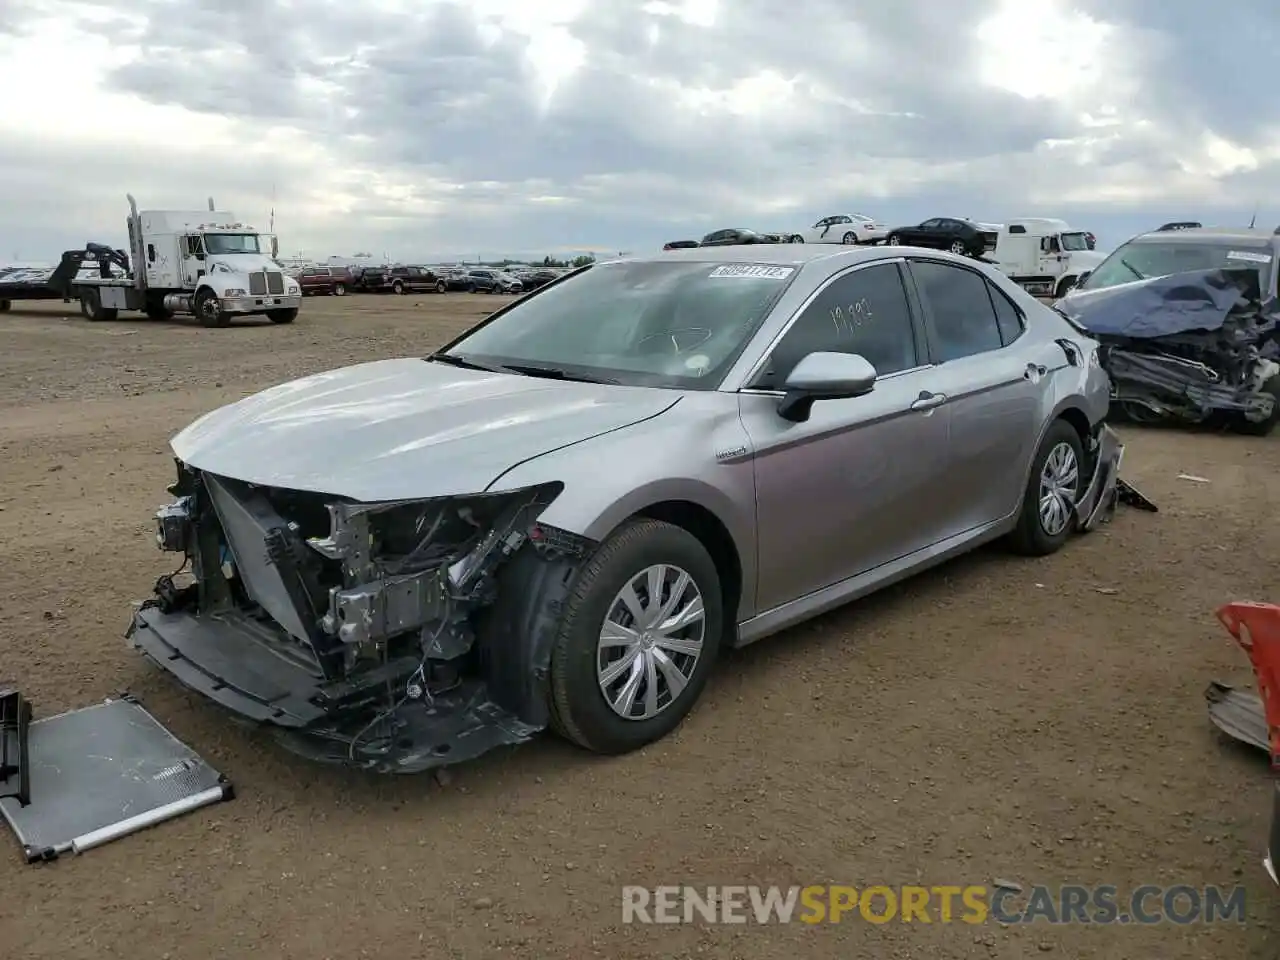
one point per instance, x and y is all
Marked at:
(1040, 721)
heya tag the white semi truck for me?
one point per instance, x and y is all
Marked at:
(204, 263)
(1045, 256)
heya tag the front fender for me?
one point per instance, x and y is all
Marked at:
(697, 453)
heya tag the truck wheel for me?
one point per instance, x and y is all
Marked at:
(441, 287)
(91, 306)
(637, 639)
(288, 315)
(209, 310)
(5, 306)
(398, 288)
(339, 289)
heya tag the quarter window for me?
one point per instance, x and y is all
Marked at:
(1008, 316)
(865, 312)
(963, 317)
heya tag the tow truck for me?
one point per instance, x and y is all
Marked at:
(204, 263)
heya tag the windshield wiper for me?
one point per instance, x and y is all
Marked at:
(553, 373)
(456, 361)
(1131, 268)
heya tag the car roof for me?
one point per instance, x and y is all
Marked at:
(770, 253)
(1253, 235)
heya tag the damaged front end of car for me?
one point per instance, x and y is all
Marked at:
(395, 636)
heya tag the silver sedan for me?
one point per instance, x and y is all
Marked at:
(562, 517)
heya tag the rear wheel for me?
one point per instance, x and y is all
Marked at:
(287, 315)
(1055, 483)
(398, 288)
(339, 289)
(91, 305)
(441, 287)
(849, 238)
(958, 248)
(638, 639)
(893, 240)
(795, 238)
(208, 310)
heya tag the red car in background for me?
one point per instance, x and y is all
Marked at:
(328, 280)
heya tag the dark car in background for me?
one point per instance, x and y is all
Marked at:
(334, 281)
(403, 280)
(533, 279)
(371, 279)
(493, 281)
(734, 237)
(680, 244)
(961, 237)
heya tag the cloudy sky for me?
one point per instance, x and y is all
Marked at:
(428, 128)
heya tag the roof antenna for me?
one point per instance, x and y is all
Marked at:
(1254, 219)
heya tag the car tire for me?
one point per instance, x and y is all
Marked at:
(850, 238)
(339, 289)
(1036, 534)
(442, 287)
(398, 289)
(579, 709)
(1262, 428)
(795, 238)
(958, 248)
(893, 240)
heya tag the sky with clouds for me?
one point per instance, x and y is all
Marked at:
(430, 129)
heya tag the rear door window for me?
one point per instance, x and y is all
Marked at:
(964, 319)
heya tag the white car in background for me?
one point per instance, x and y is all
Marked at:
(844, 228)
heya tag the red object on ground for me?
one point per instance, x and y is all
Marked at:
(1256, 627)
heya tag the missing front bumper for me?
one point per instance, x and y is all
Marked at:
(1106, 491)
(367, 722)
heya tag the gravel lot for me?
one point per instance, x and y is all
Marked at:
(1041, 721)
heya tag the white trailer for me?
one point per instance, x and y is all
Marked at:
(1046, 256)
(204, 263)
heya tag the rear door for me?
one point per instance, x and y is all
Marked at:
(994, 376)
(863, 481)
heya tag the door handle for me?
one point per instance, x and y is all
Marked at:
(927, 401)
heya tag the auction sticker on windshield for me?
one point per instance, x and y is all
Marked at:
(1248, 255)
(758, 270)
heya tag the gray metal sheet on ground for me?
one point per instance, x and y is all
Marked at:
(102, 772)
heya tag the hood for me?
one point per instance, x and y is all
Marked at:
(1087, 259)
(405, 429)
(243, 262)
(1162, 306)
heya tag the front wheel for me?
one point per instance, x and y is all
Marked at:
(893, 240)
(1261, 428)
(1048, 505)
(339, 289)
(398, 288)
(849, 238)
(638, 639)
(795, 238)
(958, 248)
(287, 315)
(442, 287)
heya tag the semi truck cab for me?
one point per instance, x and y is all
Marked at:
(1046, 256)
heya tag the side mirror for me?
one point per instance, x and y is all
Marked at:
(824, 376)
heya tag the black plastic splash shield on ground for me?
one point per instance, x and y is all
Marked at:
(101, 773)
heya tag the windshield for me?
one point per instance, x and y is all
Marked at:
(1143, 260)
(642, 323)
(1075, 241)
(216, 243)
